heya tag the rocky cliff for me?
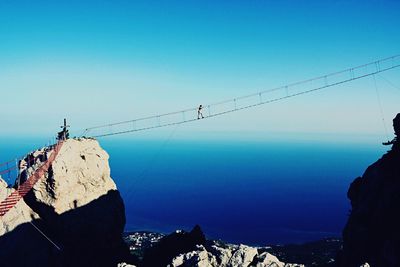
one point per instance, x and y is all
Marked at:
(73, 216)
(372, 233)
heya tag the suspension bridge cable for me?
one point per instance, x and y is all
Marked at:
(247, 101)
(142, 175)
(381, 108)
(43, 234)
(389, 82)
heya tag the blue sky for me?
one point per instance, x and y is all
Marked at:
(105, 61)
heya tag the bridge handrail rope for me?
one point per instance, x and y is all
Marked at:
(255, 99)
(12, 164)
(12, 200)
(6, 163)
(14, 167)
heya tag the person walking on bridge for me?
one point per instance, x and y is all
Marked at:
(199, 112)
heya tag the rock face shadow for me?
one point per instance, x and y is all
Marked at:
(372, 232)
(172, 245)
(90, 235)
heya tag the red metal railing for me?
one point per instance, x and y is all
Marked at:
(18, 194)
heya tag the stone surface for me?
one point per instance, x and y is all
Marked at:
(79, 175)
(123, 264)
(77, 206)
(267, 259)
(219, 255)
(200, 258)
(242, 256)
(20, 214)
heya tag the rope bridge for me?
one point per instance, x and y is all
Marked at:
(190, 115)
(247, 101)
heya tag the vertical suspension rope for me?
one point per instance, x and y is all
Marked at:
(142, 175)
(17, 172)
(390, 83)
(380, 108)
(8, 174)
(45, 236)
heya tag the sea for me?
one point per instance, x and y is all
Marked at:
(251, 192)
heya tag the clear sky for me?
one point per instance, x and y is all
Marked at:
(105, 61)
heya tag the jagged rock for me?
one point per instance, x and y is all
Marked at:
(79, 210)
(79, 175)
(372, 232)
(198, 258)
(223, 254)
(123, 264)
(243, 256)
(266, 259)
(217, 255)
(294, 265)
(180, 242)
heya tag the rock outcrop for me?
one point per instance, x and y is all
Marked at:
(190, 249)
(73, 216)
(79, 175)
(372, 232)
(217, 255)
(172, 245)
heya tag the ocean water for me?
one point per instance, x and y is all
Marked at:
(244, 192)
(255, 193)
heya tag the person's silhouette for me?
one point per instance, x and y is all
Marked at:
(199, 112)
(396, 127)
